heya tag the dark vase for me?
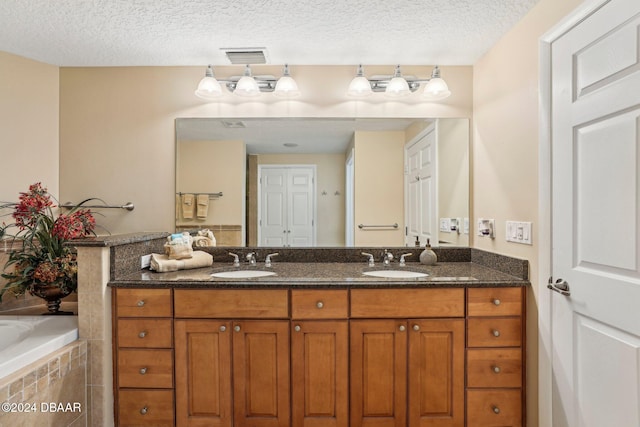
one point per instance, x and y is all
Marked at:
(52, 294)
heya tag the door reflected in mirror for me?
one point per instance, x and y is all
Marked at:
(324, 182)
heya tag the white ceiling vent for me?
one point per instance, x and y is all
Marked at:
(247, 55)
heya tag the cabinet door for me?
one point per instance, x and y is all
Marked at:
(436, 373)
(261, 373)
(203, 373)
(319, 367)
(378, 373)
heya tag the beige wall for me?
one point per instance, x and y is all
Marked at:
(28, 125)
(330, 170)
(117, 125)
(212, 167)
(505, 151)
(453, 176)
(379, 187)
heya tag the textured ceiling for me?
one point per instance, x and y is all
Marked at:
(302, 32)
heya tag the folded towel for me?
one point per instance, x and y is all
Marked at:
(187, 206)
(162, 263)
(202, 208)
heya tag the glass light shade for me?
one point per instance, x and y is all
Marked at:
(286, 87)
(247, 86)
(397, 87)
(436, 89)
(359, 87)
(208, 88)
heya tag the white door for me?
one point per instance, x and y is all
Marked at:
(287, 206)
(595, 137)
(420, 190)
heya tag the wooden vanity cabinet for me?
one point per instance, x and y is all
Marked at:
(143, 355)
(319, 358)
(406, 370)
(232, 357)
(495, 357)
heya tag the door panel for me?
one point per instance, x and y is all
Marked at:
(595, 330)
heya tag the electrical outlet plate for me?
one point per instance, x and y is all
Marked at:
(519, 232)
(145, 261)
(445, 225)
(487, 228)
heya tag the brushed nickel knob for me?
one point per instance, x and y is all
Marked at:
(142, 334)
(141, 303)
(496, 333)
(143, 371)
(223, 328)
(319, 304)
(144, 410)
(402, 328)
(236, 328)
(497, 301)
(496, 410)
(416, 327)
(297, 328)
(496, 369)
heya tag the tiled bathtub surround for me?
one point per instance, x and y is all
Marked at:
(59, 378)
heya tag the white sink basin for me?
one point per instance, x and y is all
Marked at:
(395, 274)
(242, 274)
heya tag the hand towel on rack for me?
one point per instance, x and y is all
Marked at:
(177, 207)
(202, 207)
(162, 263)
(187, 206)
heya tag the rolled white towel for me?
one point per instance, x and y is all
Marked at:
(162, 263)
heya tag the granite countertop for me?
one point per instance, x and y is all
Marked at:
(323, 274)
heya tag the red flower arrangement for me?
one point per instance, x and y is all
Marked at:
(39, 256)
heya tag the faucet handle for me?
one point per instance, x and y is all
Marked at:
(370, 259)
(402, 257)
(236, 260)
(267, 260)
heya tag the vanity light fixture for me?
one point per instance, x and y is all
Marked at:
(209, 87)
(248, 85)
(398, 85)
(286, 86)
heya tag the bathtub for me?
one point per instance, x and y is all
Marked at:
(25, 339)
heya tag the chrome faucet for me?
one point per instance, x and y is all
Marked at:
(402, 257)
(387, 257)
(267, 260)
(251, 257)
(236, 261)
(369, 259)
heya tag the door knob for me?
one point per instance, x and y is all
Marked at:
(560, 286)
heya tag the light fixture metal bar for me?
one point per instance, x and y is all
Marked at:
(265, 83)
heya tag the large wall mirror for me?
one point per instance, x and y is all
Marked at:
(324, 182)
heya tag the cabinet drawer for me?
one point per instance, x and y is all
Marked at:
(494, 368)
(145, 368)
(494, 302)
(494, 408)
(146, 333)
(227, 303)
(494, 332)
(144, 302)
(145, 408)
(324, 304)
(421, 303)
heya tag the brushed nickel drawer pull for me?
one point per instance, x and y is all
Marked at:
(496, 301)
(223, 328)
(297, 328)
(496, 333)
(144, 410)
(496, 369)
(143, 371)
(236, 328)
(416, 328)
(141, 303)
(142, 334)
(402, 328)
(320, 304)
(496, 410)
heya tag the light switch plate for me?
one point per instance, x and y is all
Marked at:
(518, 232)
(445, 225)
